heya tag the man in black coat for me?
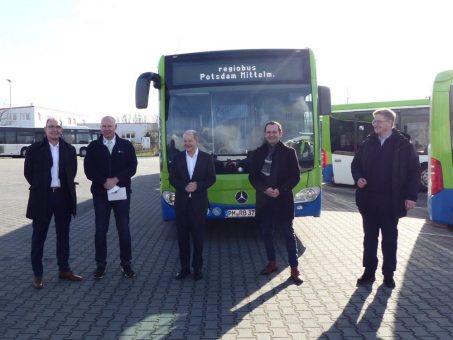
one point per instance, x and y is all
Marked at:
(274, 173)
(386, 169)
(109, 164)
(192, 172)
(50, 168)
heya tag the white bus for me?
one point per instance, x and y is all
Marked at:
(350, 124)
(15, 140)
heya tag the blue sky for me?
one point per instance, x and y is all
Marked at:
(84, 56)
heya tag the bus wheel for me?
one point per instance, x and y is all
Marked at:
(83, 152)
(23, 152)
(424, 177)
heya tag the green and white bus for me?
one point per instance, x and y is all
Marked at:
(349, 124)
(440, 192)
(227, 96)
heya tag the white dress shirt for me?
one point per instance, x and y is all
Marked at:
(191, 161)
(54, 150)
(112, 143)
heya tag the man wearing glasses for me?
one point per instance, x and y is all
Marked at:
(50, 168)
(386, 170)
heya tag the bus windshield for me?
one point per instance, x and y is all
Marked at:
(230, 120)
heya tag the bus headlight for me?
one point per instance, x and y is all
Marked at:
(169, 197)
(307, 195)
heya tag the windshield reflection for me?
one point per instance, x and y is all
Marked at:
(231, 122)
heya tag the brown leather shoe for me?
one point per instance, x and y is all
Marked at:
(69, 276)
(37, 282)
(295, 276)
(270, 268)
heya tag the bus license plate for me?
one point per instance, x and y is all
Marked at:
(233, 213)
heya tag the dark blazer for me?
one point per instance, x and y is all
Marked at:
(405, 171)
(99, 164)
(203, 174)
(286, 174)
(38, 162)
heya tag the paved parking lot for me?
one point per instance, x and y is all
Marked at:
(232, 301)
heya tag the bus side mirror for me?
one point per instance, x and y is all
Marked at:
(142, 88)
(324, 103)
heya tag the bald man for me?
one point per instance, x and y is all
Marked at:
(110, 164)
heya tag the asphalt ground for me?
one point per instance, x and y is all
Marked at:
(232, 301)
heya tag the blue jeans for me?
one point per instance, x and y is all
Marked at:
(267, 230)
(62, 215)
(102, 209)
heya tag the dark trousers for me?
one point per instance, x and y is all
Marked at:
(379, 216)
(102, 209)
(267, 230)
(191, 224)
(60, 210)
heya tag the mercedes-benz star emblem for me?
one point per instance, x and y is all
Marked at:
(241, 197)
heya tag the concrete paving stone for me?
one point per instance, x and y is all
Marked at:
(76, 335)
(420, 332)
(331, 248)
(442, 335)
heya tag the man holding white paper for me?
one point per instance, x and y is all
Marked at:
(109, 164)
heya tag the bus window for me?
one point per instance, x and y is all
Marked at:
(342, 135)
(10, 137)
(25, 137)
(83, 137)
(415, 124)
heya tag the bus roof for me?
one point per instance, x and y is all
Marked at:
(378, 105)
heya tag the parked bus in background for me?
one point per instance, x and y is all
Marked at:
(15, 140)
(349, 124)
(440, 191)
(227, 97)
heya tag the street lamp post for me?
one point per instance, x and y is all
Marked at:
(9, 81)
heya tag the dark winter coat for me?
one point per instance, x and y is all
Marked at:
(99, 164)
(405, 171)
(285, 173)
(38, 162)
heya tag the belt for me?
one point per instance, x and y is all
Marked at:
(55, 189)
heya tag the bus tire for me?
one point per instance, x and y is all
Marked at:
(23, 152)
(424, 177)
(83, 152)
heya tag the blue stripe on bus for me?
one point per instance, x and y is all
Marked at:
(440, 207)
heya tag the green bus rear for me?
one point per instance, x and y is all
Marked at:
(440, 192)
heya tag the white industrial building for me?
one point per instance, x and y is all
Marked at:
(133, 132)
(36, 116)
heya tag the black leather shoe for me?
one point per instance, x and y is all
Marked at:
(198, 275)
(389, 282)
(366, 279)
(99, 272)
(127, 270)
(182, 274)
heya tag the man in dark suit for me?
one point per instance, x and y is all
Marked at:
(50, 168)
(274, 173)
(109, 164)
(192, 172)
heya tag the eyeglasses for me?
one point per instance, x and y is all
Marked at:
(379, 121)
(53, 126)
